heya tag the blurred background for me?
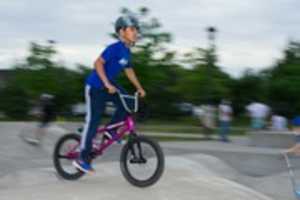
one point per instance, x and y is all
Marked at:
(213, 71)
(190, 54)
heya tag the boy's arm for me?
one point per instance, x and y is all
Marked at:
(99, 65)
(134, 80)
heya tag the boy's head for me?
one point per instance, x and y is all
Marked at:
(127, 28)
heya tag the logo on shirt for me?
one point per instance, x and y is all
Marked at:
(123, 62)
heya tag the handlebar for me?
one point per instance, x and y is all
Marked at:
(123, 98)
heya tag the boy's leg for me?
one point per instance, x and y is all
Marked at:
(95, 103)
(120, 113)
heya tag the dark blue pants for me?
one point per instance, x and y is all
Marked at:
(95, 102)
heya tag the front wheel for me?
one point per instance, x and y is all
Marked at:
(142, 161)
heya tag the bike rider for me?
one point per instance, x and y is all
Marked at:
(101, 87)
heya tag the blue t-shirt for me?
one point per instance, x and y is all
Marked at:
(117, 57)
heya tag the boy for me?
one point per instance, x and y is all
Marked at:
(101, 87)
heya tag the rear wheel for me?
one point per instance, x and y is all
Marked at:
(67, 149)
(142, 161)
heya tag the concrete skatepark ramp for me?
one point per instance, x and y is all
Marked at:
(27, 172)
(184, 178)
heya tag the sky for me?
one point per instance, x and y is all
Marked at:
(251, 34)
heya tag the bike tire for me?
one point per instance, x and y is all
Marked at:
(126, 150)
(57, 160)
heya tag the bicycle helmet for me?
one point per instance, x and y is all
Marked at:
(126, 21)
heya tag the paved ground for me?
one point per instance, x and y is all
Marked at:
(185, 178)
(208, 169)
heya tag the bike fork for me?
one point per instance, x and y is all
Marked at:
(137, 157)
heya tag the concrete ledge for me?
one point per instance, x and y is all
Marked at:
(275, 139)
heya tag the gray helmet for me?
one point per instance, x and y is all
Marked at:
(126, 21)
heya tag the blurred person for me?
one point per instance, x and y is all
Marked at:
(208, 120)
(46, 116)
(198, 112)
(101, 86)
(258, 113)
(278, 123)
(225, 117)
(296, 129)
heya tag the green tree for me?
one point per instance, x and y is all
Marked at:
(284, 82)
(14, 102)
(277, 86)
(41, 74)
(250, 87)
(204, 82)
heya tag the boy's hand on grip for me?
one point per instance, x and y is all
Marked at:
(111, 89)
(141, 92)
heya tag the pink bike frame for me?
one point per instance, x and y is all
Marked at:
(126, 126)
